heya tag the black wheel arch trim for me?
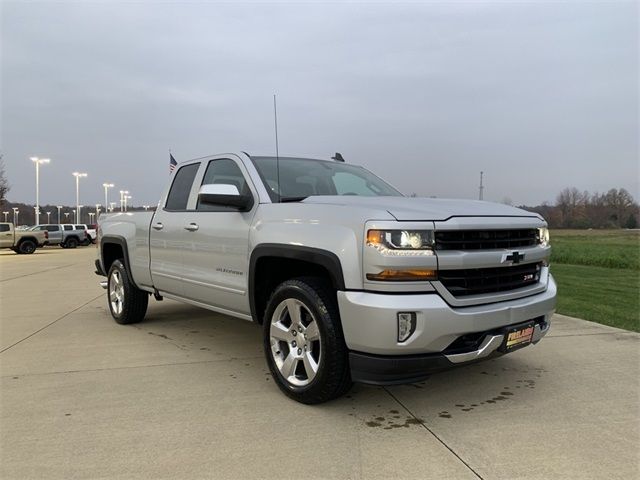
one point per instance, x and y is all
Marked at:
(122, 242)
(324, 258)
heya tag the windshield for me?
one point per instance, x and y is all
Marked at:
(301, 178)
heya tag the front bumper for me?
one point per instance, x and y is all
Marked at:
(390, 369)
(369, 322)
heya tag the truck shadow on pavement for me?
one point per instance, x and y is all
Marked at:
(455, 393)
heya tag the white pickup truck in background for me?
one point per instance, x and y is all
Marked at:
(350, 280)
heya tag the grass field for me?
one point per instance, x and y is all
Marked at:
(598, 275)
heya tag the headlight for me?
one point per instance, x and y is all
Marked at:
(401, 242)
(543, 236)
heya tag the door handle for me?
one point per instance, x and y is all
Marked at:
(192, 227)
(157, 226)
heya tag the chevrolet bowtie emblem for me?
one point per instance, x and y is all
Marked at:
(514, 257)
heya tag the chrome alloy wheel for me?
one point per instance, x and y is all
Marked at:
(295, 342)
(116, 292)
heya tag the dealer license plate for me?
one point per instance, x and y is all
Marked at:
(517, 337)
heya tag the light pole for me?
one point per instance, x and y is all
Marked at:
(78, 175)
(59, 207)
(123, 201)
(48, 217)
(15, 216)
(75, 215)
(107, 186)
(112, 205)
(146, 207)
(5, 216)
(91, 215)
(126, 201)
(66, 217)
(38, 162)
(97, 210)
(79, 217)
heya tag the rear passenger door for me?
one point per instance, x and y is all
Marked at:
(55, 234)
(6, 235)
(167, 237)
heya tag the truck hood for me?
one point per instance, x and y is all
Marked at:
(424, 209)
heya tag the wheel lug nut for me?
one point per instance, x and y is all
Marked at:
(299, 351)
(300, 329)
(294, 344)
(294, 333)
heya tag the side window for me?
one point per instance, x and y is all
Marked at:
(68, 227)
(52, 228)
(4, 227)
(227, 172)
(79, 227)
(181, 187)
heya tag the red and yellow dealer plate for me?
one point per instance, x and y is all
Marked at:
(517, 337)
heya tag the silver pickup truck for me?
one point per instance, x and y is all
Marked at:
(349, 279)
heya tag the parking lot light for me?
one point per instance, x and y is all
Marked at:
(5, 215)
(59, 207)
(107, 186)
(48, 217)
(66, 217)
(78, 176)
(38, 162)
(16, 211)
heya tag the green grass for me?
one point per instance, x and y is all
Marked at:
(598, 248)
(598, 275)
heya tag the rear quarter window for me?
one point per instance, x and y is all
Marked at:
(181, 187)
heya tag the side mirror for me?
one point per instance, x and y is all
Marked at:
(224, 195)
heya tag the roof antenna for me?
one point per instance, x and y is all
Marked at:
(338, 157)
(275, 118)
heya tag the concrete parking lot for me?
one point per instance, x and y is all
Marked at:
(186, 394)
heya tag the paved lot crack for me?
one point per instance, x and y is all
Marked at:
(39, 272)
(421, 422)
(131, 367)
(48, 325)
(591, 334)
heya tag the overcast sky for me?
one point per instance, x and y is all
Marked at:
(539, 95)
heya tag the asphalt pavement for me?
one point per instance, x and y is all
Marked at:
(187, 394)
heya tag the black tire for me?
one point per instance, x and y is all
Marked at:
(71, 242)
(332, 378)
(134, 301)
(27, 247)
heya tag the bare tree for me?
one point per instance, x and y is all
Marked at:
(4, 183)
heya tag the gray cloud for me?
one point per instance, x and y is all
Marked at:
(540, 95)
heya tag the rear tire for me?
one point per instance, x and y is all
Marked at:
(127, 303)
(71, 243)
(303, 341)
(27, 247)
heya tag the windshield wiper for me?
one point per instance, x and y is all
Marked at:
(292, 199)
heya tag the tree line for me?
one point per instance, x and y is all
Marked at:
(580, 209)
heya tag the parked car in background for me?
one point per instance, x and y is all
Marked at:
(91, 231)
(21, 241)
(65, 235)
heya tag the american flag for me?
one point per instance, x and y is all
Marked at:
(172, 163)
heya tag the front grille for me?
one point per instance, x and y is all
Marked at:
(485, 239)
(476, 281)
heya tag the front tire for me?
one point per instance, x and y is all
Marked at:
(27, 247)
(303, 341)
(127, 303)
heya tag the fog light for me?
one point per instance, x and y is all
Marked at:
(406, 325)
